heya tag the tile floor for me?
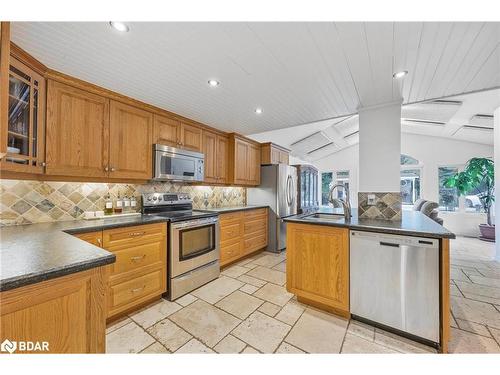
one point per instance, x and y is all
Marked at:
(248, 310)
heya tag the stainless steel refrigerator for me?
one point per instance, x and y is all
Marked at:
(278, 190)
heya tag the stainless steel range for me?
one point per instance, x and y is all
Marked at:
(193, 243)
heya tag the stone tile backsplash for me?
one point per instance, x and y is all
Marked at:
(388, 206)
(26, 202)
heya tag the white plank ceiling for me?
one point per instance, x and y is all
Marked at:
(297, 72)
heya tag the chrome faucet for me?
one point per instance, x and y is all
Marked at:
(346, 204)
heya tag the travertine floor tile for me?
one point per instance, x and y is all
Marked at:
(193, 346)
(252, 280)
(234, 271)
(128, 339)
(454, 291)
(249, 289)
(216, 290)
(478, 329)
(154, 313)
(290, 313)
(239, 304)
(496, 334)
(155, 348)
(465, 342)
(170, 335)
(361, 329)
(269, 308)
(249, 350)
(286, 348)
(230, 345)
(267, 274)
(481, 290)
(205, 322)
(400, 344)
(117, 324)
(474, 311)
(458, 275)
(268, 260)
(487, 281)
(274, 293)
(280, 267)
(318, 332)
(354, 344)
(186, 300)
(262, 332)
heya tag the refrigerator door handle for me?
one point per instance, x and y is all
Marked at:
(292, 189)
(288, 178)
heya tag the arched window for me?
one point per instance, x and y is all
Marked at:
(410, 179)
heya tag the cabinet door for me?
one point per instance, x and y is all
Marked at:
(77, 132)
(241, 162)
(275, 155)
(317, 265)
(95, 238)
(191, 137)
(253, 164)
(130, 133)
(283, 157)
(210, 151)
(24, 129)
(221, 162)
(166, 131)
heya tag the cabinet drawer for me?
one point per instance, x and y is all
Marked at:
(130, 236)
(231, 216)
(230, 251)
(230, 231)
(255, 243)
(95, 238)
(255, 226)
(128, 292)
(255, 212)
(135, 257)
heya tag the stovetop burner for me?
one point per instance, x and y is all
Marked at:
(173, 206)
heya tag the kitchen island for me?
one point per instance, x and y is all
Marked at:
(320, 256)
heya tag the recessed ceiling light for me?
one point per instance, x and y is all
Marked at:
(213, 83)
(120, 26)
(399, 75)
(258, 111)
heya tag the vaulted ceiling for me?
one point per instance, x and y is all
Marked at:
(297, 72)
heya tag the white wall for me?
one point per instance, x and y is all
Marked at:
(432, 152)
(497, 178)
(379, 148)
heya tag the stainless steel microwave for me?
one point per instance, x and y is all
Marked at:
(174, 164)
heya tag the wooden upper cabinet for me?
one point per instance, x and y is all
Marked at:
(77, 139)
(166, 131)
(273, 154)
(244, 161)
(130, 139)
(210, 152)
(191, 137)
(222, 156)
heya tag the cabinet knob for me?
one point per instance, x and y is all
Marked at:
(112, 169)
(44, 164)
(106, 169)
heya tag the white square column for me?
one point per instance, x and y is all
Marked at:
(496, 158)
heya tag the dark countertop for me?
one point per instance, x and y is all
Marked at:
(413, 223)
(222, 210)
(36, 252)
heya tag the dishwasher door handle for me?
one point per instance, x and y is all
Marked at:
(388, 244)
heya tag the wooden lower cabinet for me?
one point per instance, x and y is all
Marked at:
(242, 233)
(139, 274)
(317, 265)
(69, 313)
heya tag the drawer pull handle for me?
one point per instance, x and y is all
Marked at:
(137, 234)
(99, 241)
(138, 289)
(139, 257)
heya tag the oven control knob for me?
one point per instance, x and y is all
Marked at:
(149, 198)
(155, 198)
(159, 198)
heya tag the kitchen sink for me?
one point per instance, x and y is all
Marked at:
(320, 216)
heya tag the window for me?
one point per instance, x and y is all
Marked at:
(472, 202)
(328, 179)
(408, 160)
(448, 197)
(410, 186)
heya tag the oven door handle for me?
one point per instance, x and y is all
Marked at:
(189, 225)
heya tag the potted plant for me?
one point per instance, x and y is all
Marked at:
(478, 173)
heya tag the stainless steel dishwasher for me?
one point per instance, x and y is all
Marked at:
(394, 281)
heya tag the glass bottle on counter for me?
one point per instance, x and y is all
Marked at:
(108, 205)
(126, 204)
(118, 205)
(133, 204)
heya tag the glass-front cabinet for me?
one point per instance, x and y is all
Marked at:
(308, 192)
(24, 138)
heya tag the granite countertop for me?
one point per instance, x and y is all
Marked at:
(413, 223)
(232, 208)
(36, 252)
